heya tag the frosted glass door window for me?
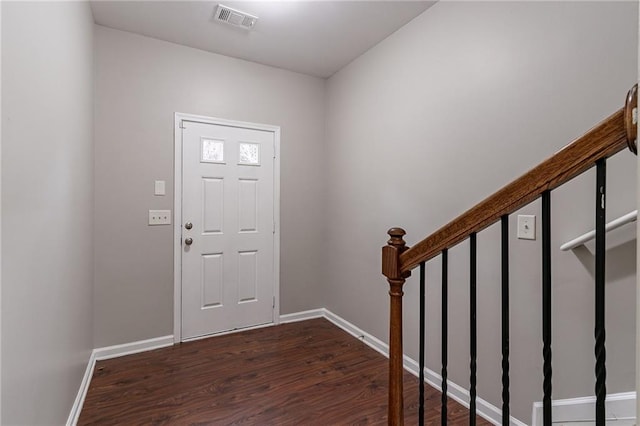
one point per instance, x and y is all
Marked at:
(212, 151)
(249, 153)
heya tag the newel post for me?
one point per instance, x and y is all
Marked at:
(391, 269)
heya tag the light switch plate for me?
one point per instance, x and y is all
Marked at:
(159, 217)
(159, 188)
(526, 227)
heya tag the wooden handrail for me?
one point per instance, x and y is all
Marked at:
(604, 140)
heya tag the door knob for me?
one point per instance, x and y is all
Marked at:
(188, 241)
(188, 225)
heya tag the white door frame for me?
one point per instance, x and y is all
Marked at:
(177, 208)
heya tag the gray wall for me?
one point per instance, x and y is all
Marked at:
(47, 215)
(451, 107)
(139, 84)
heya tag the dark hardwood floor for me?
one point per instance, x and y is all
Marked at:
(305, 373)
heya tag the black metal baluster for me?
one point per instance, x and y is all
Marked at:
(600, 350)
(505, 320)
(421, 350)
(546, 306)
(473, 331)
(445, 333)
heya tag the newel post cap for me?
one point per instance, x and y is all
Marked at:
(396, 235)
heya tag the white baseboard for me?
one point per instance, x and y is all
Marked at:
(109, 352)
(369, 339)
(132, 348)
(620, 410)
(484, 409)
(302, 316)
(72, 420)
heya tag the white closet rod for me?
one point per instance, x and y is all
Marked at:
(617, 223)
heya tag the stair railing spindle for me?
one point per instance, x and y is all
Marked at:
(445, 333)
(600, 334)
(473, 328)
(505, 319)
(421, 349)
(546, 307)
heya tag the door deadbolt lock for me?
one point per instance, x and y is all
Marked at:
(188, 241)
(188, 225)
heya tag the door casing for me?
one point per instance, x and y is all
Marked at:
(177, 208)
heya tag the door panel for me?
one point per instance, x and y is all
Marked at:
(213, 205)
(248, 205)
(212, 280)
(228, 197)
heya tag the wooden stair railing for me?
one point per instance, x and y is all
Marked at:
(604, 140)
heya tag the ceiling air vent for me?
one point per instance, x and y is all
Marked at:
(235, 17)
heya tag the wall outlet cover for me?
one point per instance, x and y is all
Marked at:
(159, 217)
(159, 188)
(526, 227)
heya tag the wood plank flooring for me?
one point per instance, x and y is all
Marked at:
(304, 373)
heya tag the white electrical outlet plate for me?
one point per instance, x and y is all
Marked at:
(159, 188)
(159, 217)
(526, 227)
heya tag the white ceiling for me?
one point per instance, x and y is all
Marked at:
(311, 37)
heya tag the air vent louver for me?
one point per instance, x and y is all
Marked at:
(224, 13)
(235, 17)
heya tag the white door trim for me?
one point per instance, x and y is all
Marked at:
(177, 208)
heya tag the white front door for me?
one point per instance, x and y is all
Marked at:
(227, 228)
